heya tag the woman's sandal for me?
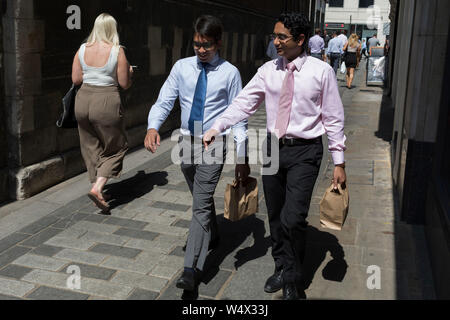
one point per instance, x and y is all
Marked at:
(100, 203)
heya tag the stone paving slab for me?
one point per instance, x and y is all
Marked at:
(88, 286)
(81, 256)
(79, 244)
(14, 272)
(39, 262)
(143, 295)
(12, 254)
(143, 235)
(112, 250)
(14, 288)
(125, 264)
(136, 280)
(47, 293)
(12, 240)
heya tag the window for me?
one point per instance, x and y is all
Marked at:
(337, 3)
(365, 3)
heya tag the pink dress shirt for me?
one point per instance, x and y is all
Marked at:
(316, 109)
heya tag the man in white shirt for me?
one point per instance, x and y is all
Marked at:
(343, 37)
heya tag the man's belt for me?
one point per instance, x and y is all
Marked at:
(299, 141)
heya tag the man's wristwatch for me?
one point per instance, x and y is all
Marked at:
(341, 165)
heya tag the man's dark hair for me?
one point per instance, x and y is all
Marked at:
(335, 33)
(298, 24)
(317, 31)
(209, 26)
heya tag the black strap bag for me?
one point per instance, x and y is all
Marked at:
(68, 119)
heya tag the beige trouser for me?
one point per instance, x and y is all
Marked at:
(102, 134)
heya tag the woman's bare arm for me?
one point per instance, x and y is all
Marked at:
(124, 71)
(77, 71)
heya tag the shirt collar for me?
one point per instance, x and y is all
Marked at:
(213, 64)
(299, 61)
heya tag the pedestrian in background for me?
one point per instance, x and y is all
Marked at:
(326, 39)
(100, 65)
(373, 42)
(364, 48)
(302, 103)
(335, 49)
(205, 84)
(317, 46)
(343, 37)
(351, 49)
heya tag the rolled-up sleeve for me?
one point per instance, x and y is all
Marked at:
(244, 105)
(333, 117)
(240, 130)
(166, 100)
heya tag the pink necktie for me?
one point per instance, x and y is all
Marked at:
(286, 98)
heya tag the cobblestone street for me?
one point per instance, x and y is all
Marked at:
(136, 253)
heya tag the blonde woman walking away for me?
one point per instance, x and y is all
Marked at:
(352, 48)
(100, 65)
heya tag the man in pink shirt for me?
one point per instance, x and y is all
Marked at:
(302, 103)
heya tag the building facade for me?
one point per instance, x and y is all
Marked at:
(363, 17)
(39, 41)
(421, 127)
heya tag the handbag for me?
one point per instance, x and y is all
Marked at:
(334, 208)
(241, 200)
(67, 119)
(343, 68)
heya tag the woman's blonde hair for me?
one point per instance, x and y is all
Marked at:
(105, 29)
(353, 41)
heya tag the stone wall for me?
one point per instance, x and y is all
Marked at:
(3, 144)
(420, 96)
(38, 55)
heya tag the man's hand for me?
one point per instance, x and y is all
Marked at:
(340, 176)
(209, 138)
(242, 172)
(152, 140)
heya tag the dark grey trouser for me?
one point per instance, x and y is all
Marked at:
(335, 59)
(317, 56)
(202, 179)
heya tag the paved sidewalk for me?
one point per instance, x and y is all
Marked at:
(136, 253)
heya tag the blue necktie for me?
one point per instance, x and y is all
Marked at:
(198, 106)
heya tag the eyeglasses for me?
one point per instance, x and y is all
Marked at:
(206, 45)
(280, 36)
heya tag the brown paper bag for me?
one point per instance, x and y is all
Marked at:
(334, 208)
(241, 201)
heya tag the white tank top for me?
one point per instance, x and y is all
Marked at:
(352, 49)
(105, 76)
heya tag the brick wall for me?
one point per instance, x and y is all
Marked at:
(39, 51)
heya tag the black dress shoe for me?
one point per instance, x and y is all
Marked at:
(290, 292)
(190, 295)
(187, 281)
(274, 283)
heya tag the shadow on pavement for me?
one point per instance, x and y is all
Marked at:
(233, 235)
(126, 191)
(386, 121)
(318, 244)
